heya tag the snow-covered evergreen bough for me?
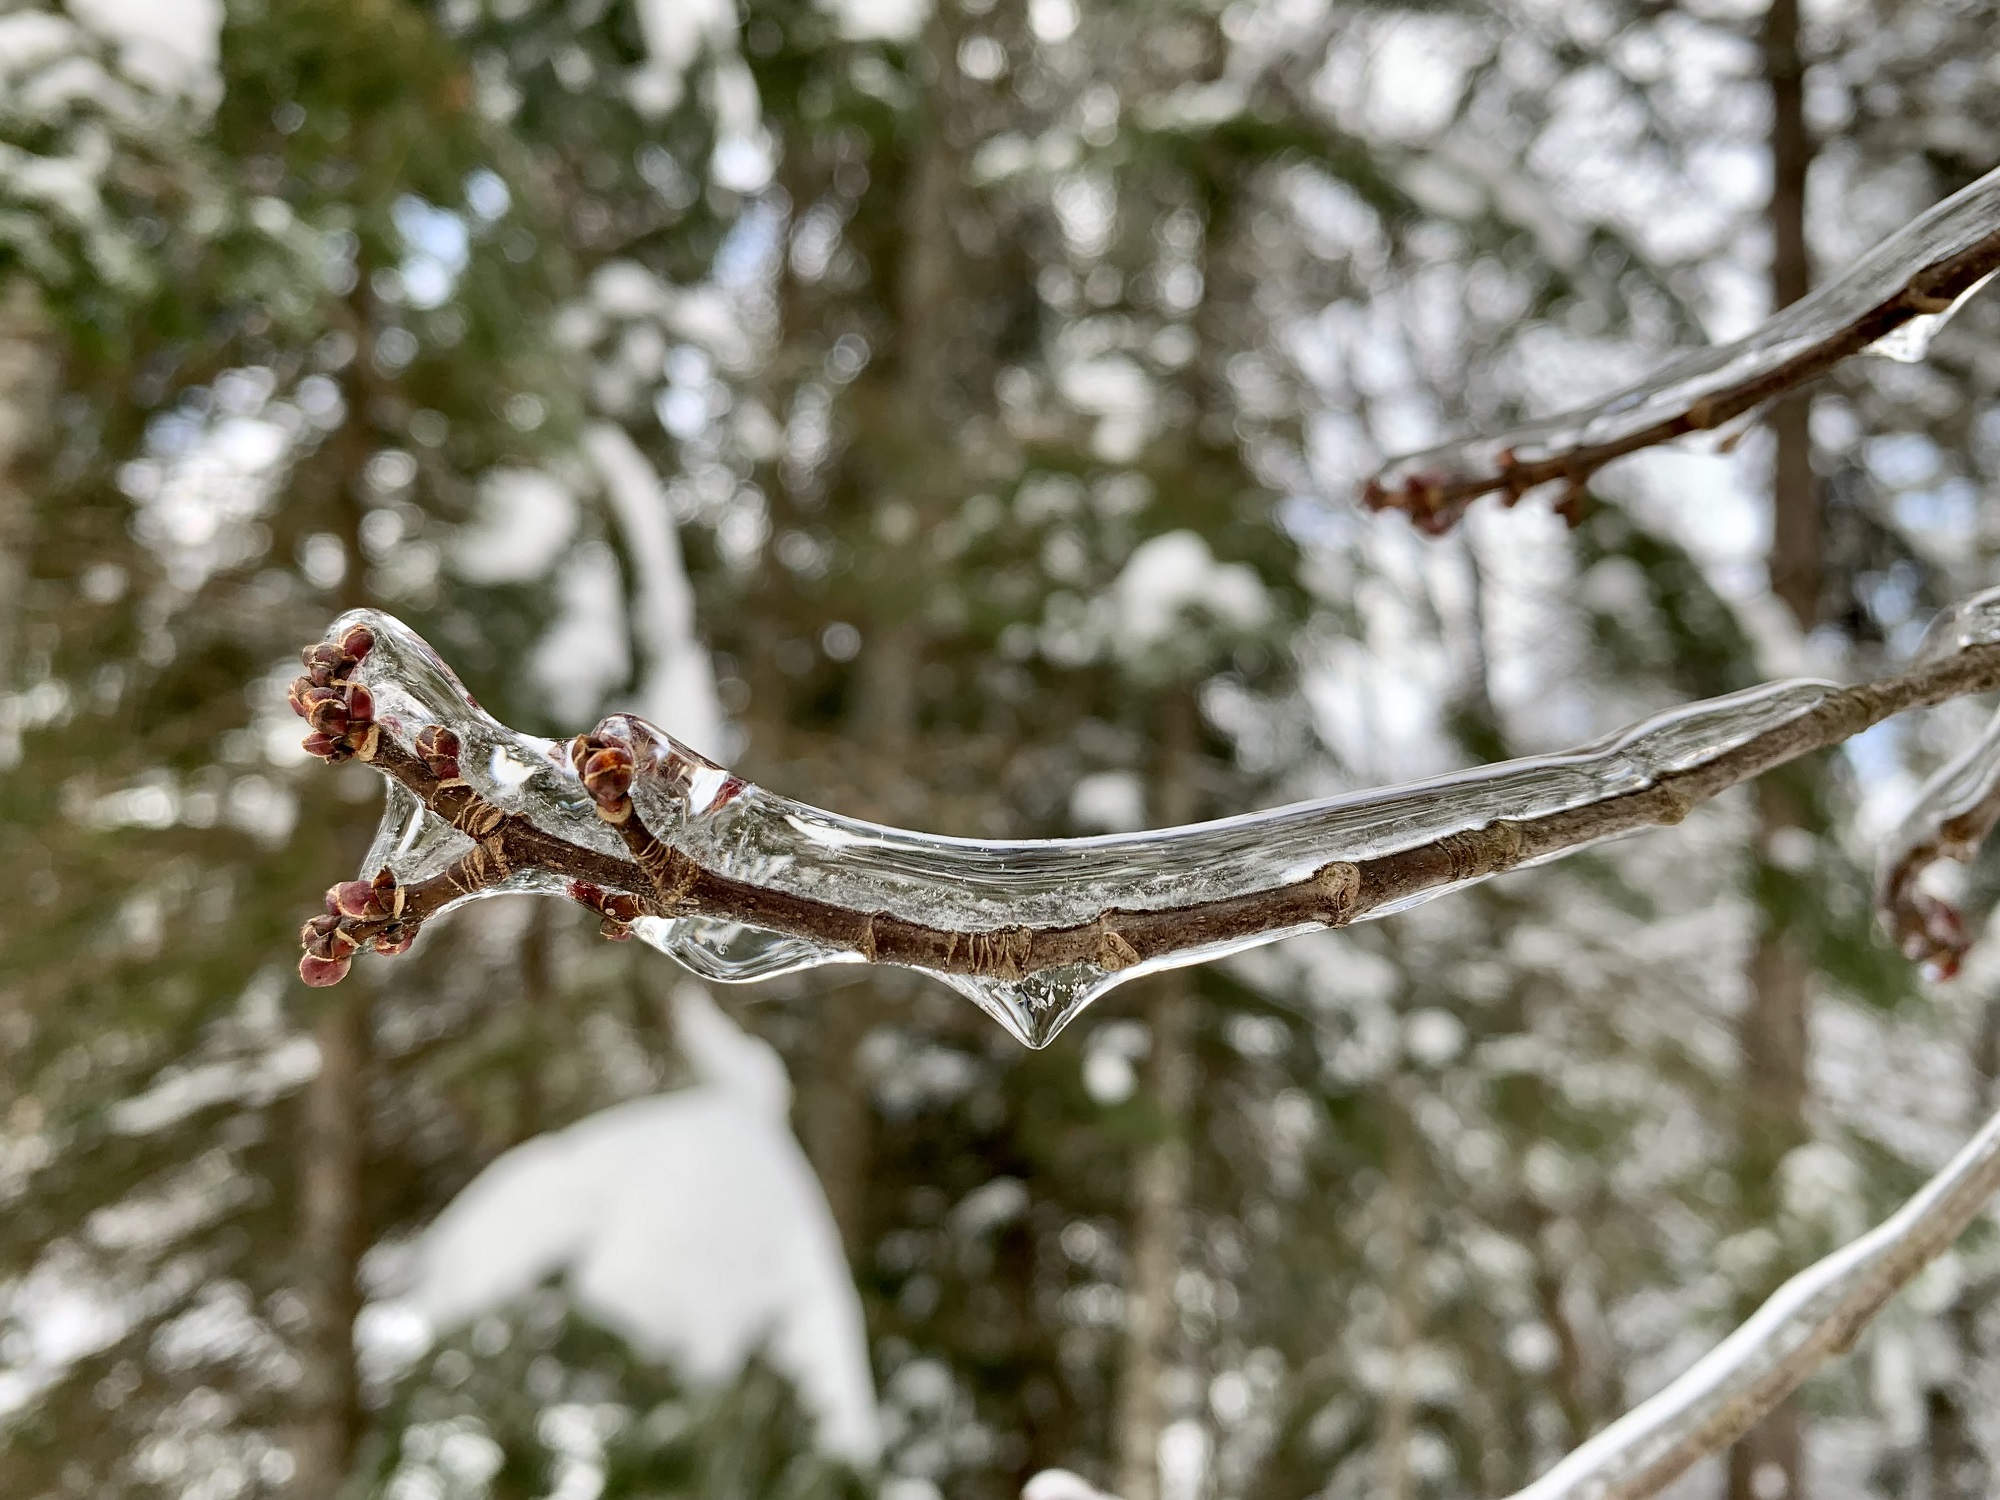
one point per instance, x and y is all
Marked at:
(741, 883)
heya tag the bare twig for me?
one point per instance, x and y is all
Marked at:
(1922, 271)
(660, 880)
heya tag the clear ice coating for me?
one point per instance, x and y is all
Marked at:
(1973, 621)
(1950, 228)
(751, 834)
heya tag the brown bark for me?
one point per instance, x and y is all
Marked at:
(1767, 1464)
(1160, 1175)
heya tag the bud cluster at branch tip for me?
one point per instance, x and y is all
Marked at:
(331, 939)
(340, 711)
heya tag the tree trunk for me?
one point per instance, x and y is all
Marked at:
(1767, 1464)
(27, 369)
(333, 1221)
(1160, 1175)
(1399, 1402)
(332, 1237)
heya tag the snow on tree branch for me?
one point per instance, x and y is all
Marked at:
(1893, 301)
(741, 883)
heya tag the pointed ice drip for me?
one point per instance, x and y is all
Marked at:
(741, 831)
(1911, 343)
(1701, 389)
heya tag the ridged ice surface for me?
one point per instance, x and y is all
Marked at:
(1950, 228)
(760, 836)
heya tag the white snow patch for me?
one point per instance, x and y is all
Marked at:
(1108, 802)
(524, 520)
(1171, 576)
(587, 651)
(690, 1223)
(174, 46)
(678, 692)
(1061, 1484)
(878, 20)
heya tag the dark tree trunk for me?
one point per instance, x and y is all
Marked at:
(1766, 1465)
(1160, 1175)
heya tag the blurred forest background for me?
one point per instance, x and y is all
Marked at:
(984, 385)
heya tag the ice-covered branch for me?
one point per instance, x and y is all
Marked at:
(740, 883)
(1810, 1319)
(1893, 300)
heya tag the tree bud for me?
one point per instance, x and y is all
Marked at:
(353, 898)
(357, 642)
(607, 775)
(320, 973)
(360, 705)
(437, 748)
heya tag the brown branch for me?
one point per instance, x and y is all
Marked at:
(662, 881)
(1435, 497)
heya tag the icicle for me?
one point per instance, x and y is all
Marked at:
(1704, 388)
(743, 831)
(1911, 343)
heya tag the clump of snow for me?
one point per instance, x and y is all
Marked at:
(1061, 1484)
(1108, 802)
(174, 46)
(878, 20)
(525, 518)
(678, 692)
(1174, 606)
(690, 1223)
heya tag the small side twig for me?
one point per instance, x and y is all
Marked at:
(1434, 489)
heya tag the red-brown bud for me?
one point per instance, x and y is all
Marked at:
(353, 898)
(357, 642)
(325, 712)
(323, 663)
(437, 748)
(296, 694)
(607, 775)
(395, 940)
(360, 706)
(326, 747)
(320, 973)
